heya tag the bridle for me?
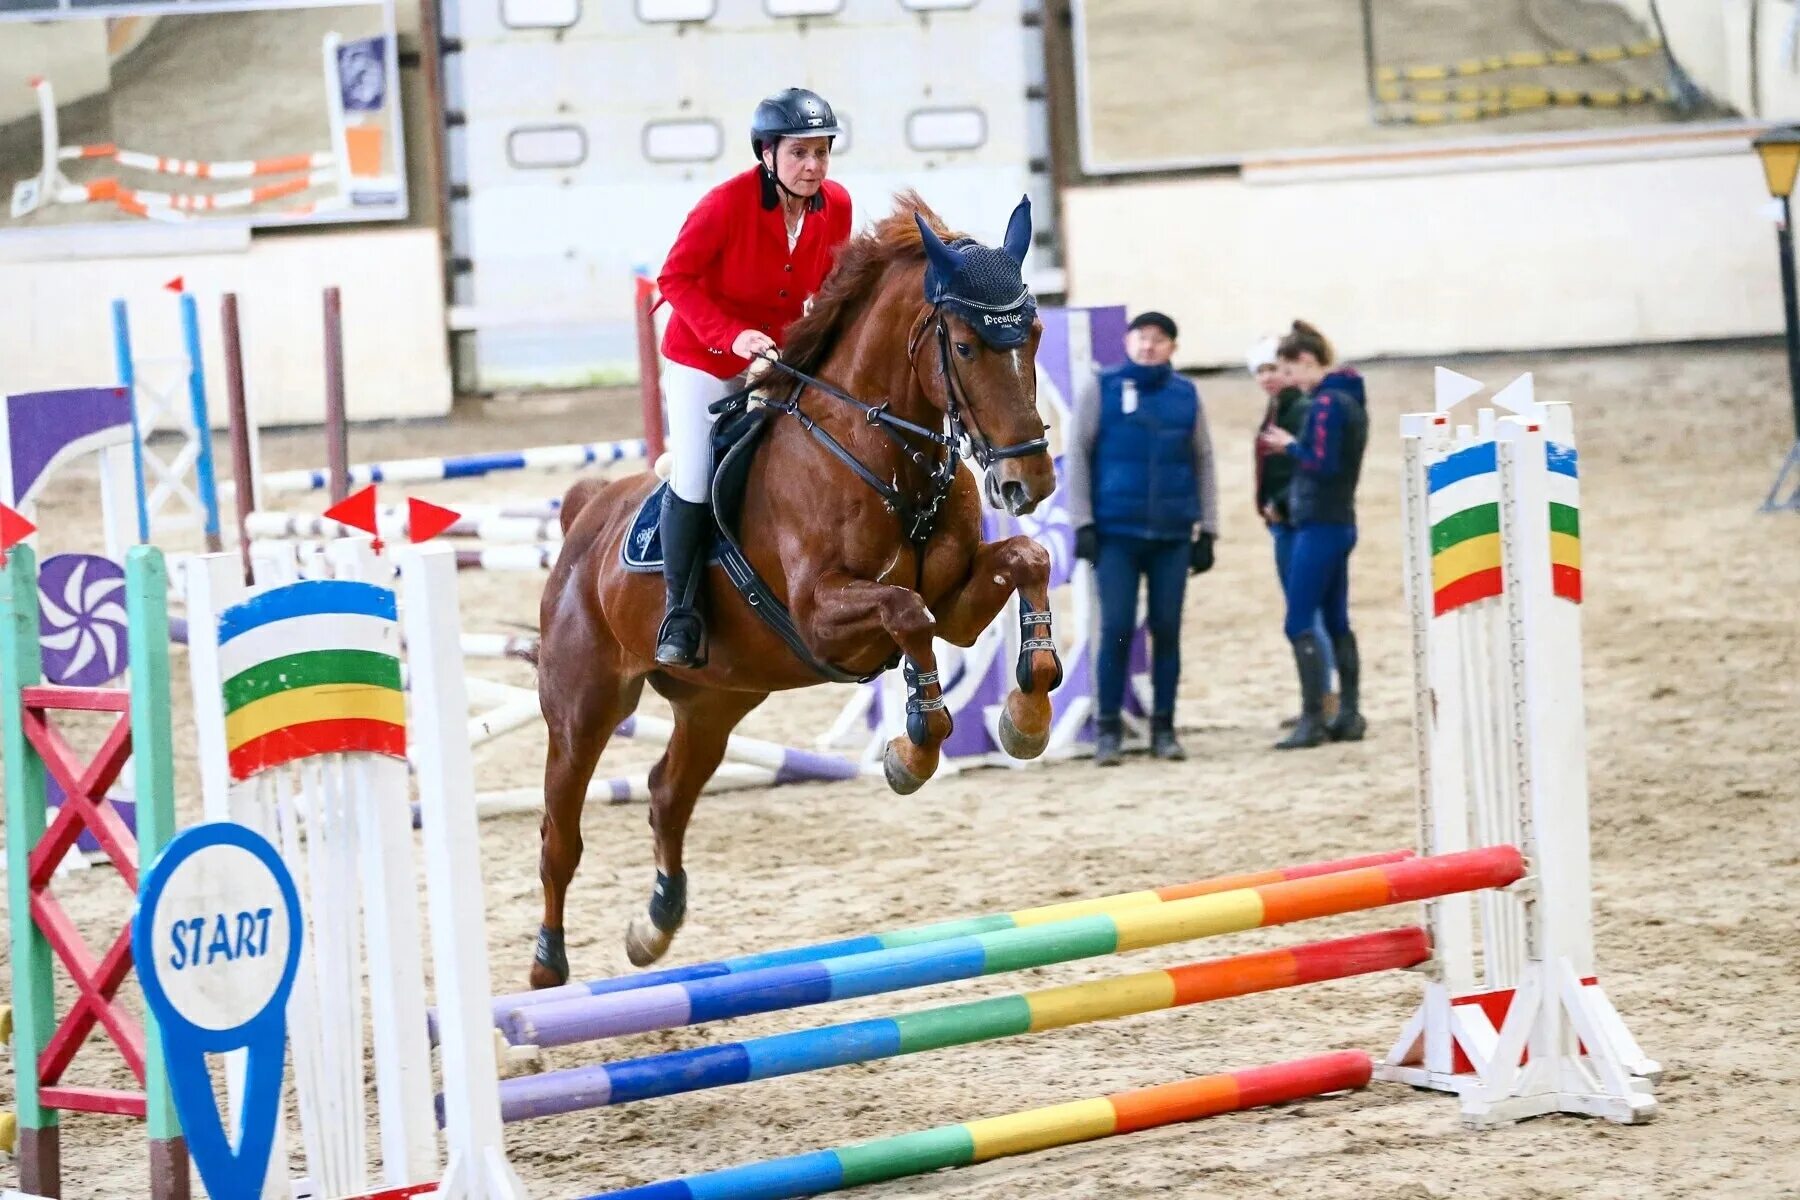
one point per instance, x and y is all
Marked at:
(918, 513)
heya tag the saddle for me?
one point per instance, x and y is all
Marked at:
(735, 438)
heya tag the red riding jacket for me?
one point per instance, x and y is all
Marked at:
(730, 270)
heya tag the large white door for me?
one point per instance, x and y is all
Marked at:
(582, 131)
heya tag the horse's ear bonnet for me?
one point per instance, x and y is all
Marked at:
(982, 285)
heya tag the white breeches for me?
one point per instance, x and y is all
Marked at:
(686, 395)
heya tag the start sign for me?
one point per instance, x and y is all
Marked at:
(216, 937)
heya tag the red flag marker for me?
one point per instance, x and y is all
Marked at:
(14, 528)
(357, 511)
(175, 285)
(425, 520)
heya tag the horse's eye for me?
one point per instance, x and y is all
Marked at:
(964, 350)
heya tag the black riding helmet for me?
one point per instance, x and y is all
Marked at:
(792, 112)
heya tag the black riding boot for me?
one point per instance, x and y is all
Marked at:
(686, 537)
(1109, 741)
(1162, 740)
(1348, 725)
(1309, 662)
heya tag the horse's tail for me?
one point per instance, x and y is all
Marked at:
(524, 649)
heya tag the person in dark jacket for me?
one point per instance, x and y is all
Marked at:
(1143, 498)
(1322, 507)
(1286, 410)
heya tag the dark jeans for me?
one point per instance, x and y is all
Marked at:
(1163, 566)
(1283, 537)
(1318, 579)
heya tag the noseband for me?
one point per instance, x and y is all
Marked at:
(918, 514)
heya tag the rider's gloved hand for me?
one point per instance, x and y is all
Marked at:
(1087, 544)
(752, 343)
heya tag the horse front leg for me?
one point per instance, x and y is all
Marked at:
(998, 569)
(849, 610)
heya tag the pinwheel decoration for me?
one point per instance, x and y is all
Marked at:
(81, 621)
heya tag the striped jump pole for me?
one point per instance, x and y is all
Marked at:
(506, 1007)
(771, 989)
(500, 530)
(540, 557)
(578, 1088)
(1017, 1133)
(463, 466)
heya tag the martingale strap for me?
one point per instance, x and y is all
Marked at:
(765, 603)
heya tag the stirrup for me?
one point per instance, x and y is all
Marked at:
(681, 641)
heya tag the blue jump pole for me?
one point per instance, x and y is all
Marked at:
(204, 479)
(128, 380)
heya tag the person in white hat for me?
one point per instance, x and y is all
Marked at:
(1274, 472)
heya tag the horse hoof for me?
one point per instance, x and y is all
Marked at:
(1016, 742)
(900, 777)
(645, 943)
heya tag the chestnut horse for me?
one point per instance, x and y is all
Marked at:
(919, 347)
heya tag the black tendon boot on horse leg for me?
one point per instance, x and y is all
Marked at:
(1309, 662)
(686, 530)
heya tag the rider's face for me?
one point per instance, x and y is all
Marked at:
(800, 163)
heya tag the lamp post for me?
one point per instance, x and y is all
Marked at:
(1780, 153)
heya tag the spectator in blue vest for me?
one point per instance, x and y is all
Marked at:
(1144, 502)
(1322, 508)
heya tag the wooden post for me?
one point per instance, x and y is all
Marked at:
(337, 424)
(243, 459)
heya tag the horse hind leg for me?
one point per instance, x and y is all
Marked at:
(703, 724)
(581, 708)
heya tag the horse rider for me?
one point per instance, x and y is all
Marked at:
(747, 259)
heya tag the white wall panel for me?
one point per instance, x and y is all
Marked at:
(562, 240)
(1538, 257)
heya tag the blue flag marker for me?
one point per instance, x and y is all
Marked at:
(216, 936)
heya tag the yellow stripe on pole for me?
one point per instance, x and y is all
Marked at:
(1181, 920)
(1101, 1000)
(1083, 908)
(1042, 1128)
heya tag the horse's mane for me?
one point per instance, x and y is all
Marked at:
(861, 263)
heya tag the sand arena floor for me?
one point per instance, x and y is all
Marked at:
(1693, 685)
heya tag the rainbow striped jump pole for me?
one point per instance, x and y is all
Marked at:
(520, 1030)
(1016, 1133)
(626, 1082)
(770, 989)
